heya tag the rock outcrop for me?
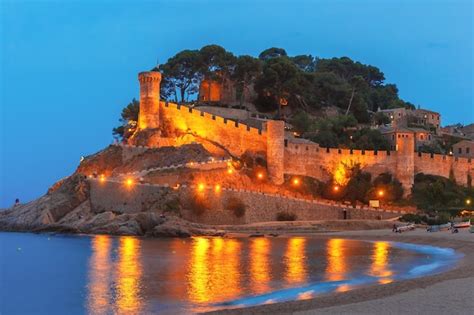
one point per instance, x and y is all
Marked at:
(66, 206)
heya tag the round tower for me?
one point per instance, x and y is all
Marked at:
(276, 150)
(149, 113)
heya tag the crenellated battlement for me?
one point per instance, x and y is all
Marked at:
(201, 115)
(287, 156)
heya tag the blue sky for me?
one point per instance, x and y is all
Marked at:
(68, 67)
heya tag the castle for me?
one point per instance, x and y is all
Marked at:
(162, 123)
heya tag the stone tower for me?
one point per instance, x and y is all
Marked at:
(276, 150)
(405, 171)
(149, 114)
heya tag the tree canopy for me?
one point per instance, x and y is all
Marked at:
(301, 81)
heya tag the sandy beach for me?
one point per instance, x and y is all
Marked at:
(449, 292)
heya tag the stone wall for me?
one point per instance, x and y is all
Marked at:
(260, 207)
(442, 165)
(118, 197)
(314, 161)
(236, 137)
(283, 157)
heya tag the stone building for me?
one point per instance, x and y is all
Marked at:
(464, 148)
(168, 124)
(224, 91)
(421, 136)
(405, 117)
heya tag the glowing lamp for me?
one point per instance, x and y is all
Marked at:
(336, 188)
(129, 182)
(296, 181)
(230, 171)
(102, 178)
(381, 193)
(260, 175)
(468, 201)
(201, 187)
(217, 188)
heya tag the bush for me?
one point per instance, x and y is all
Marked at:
(236, 206)
(286, 216)
(172, 206)
(410, 217)
(198, 205)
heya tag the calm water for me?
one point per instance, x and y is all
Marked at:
(57, 274)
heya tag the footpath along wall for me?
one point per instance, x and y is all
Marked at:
(260, 207)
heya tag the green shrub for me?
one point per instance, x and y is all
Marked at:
(172, 206)
(236, 206)
(198, 205)
(286, 216)
(410, 217)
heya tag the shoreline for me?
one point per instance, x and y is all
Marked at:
(371, 299)
(451, 290)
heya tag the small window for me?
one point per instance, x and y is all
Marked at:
(460, 150)
(421, 137)
(429, 137)
(393, 137)
(468, 150)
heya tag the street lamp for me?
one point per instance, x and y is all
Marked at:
(468, 202)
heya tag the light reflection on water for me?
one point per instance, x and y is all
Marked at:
(99, 275)
(213, 270)
(128, 275)
(176, 276)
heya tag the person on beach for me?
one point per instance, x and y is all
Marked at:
(17, 202)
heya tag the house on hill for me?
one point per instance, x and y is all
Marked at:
(464, 148)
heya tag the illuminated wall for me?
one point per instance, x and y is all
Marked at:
(236, 137)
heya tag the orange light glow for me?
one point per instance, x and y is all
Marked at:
(201, 187)
(341, 175)
(337, 266)
(217, 188)
(380, 262)
(129, 182)
(336, 188)
(102, 178)
(295, 260)
(260, 175)
(230, 171)
(129, 276)
(381, 193)
(99, 293)
(214, 270)
(296, 181)
(260, 264)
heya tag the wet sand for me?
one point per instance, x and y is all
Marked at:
(449, 292)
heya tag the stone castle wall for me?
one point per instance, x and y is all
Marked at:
(443, 165)
(286, 157)
(314, 161)
(234, 136)
(260, 207)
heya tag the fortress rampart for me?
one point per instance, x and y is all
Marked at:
(236, 137)
(260, 207)
(287, 156)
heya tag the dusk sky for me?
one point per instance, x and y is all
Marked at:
(69, 67)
